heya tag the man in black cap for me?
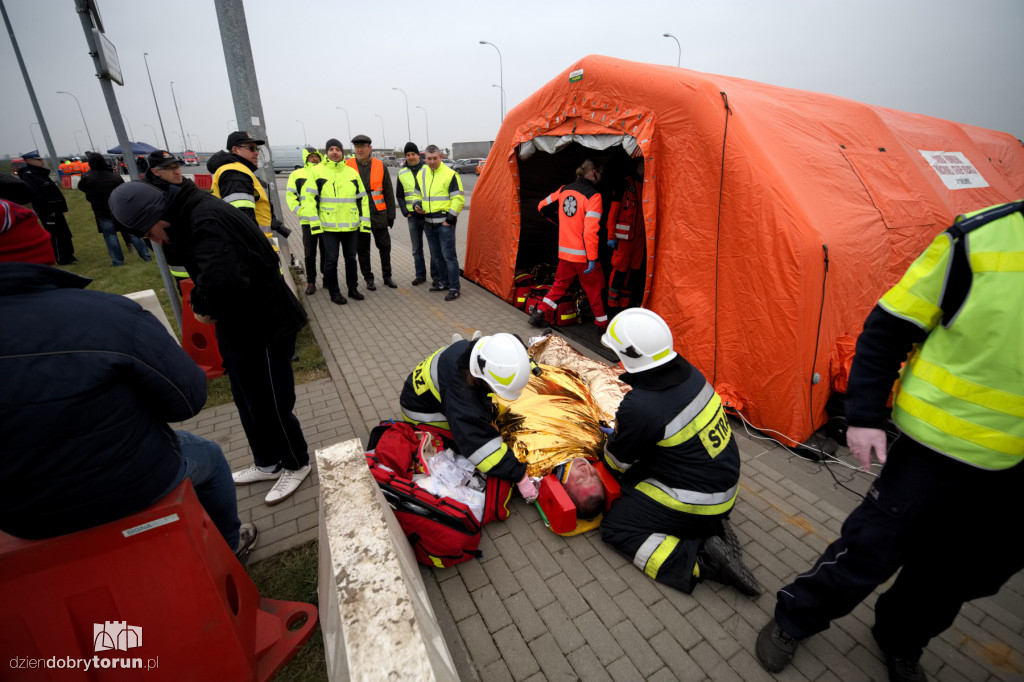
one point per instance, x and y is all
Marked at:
(49, 204)
(407, 192)
(382, 210)
(240, 289)
(164, 169)
(235, 181)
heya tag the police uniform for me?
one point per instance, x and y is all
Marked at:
(437, 393)
(945, 506)
(674, 453)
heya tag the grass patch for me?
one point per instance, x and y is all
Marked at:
(137, 275)
(292, 576)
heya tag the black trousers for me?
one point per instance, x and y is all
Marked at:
(348, 244)
(382, 238)
(636, 521)
(60, 237)
(953, 528)
(310, 243)
(263, 386)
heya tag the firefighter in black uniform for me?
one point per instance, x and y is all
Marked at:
(673, 451)
(451, 390)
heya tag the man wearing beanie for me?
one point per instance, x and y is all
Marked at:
(240, 289)
(98, 183)
(92, 444)
(344, 212)
(49, 204)
(407, 192)
(382, 210)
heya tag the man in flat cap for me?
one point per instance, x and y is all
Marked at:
(49, 204)
(382, 210)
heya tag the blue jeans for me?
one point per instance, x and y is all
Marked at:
(203, 463)
(416, 228)
(443, 255)
(109, 230)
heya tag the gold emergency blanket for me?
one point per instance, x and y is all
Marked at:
(601, 378)
(554, 420)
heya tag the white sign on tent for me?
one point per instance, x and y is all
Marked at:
(955, 171)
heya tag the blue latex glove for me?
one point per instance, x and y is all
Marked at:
(591, 266)
(608, 430)
(613, 244)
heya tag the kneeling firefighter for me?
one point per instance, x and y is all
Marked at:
(451, 390)
(673, 451)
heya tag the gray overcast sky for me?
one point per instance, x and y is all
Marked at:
(953, 59)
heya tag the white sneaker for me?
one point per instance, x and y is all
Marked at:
(252, 474)
(287, 484)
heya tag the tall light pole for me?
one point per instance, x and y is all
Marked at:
(34, 143)
(174, 96)
(385, 137)
(106, 141)
(347, 126)
(502, 91)
(408, 125)
(129, 124)
(157, 106)
(61, 92)
(501, 77)
(305, 142)
(78, 143)
(679, 54)
(146, 125)
(426, 122)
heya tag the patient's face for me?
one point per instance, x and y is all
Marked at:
(584, 487)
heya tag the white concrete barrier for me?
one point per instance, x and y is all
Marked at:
(377, 620)
(148, 300)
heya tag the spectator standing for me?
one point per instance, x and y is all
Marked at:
(407, 193)
(304, 207)
(382, 211)
(98, 183)
(443, 199)
(49, 204)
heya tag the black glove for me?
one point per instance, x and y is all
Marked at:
(279, 227)
(390, 223)
(450, 218)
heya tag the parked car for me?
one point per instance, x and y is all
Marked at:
(480, 166)
(448, 162)
(466, 165)
(191, 158)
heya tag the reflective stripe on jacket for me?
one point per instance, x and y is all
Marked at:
(625, 211)
(579, 219)
(441, 193)
(961, 392)
(339, 193)
(258, 201)
(376, 188)
(408, 189)
(298, 201)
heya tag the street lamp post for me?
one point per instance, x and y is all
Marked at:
(174, 96)
(89, 135)
(35, 144)
(426, 121)
(502, 91)
(679, 48)
(78, 143)
(146, 125)
(385, 137)
(501, 77)
(347, 126)
(305, 141)
(153, 90)
(408, 125)
(129, 124)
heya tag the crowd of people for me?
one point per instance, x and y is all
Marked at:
(123, 379)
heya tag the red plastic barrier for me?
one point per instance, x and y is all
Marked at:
(203, 180)
(159, 592)
(65, 181)
(198, 339)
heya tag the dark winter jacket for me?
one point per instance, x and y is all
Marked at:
(47, 197)
(236, 270)
(89, 382)
(98, 184)
(233, 181)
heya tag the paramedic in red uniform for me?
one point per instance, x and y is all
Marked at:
(579, 218)
(626, 224)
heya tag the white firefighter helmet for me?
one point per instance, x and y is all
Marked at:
(640, 338)
(501, 360)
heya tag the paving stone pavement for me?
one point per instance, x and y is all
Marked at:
(538, 606)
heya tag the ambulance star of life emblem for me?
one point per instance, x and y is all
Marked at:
(569, 206)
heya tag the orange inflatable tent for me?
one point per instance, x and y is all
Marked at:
(775, 218)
